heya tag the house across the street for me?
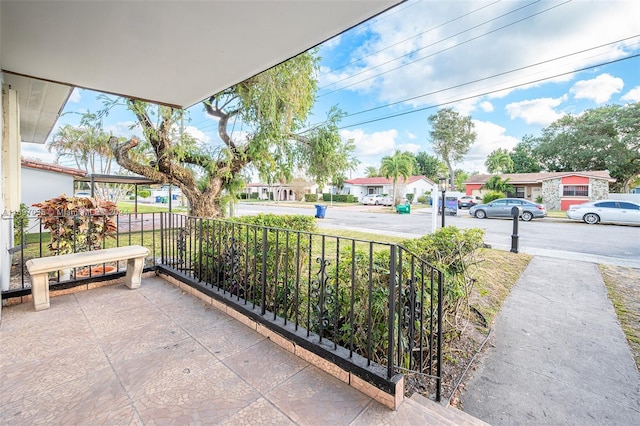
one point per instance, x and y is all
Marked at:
(361, 187)
(557, 190)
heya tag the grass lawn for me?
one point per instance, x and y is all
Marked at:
(128, 207)
(624, 293)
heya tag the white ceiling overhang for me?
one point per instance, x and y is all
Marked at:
(171, 52)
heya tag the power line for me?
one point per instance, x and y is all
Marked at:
(488, 92)
(405, 40)
(440, 51)
(491, 76)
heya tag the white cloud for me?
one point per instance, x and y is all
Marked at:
(371, 145)
(632, 95)
(536, 111)
(486, 106)
(599, 89)
(411, 147)
(417, 52)
(124, 129)
(36, 151)
(465, 107)
(489, 137)
(197, 134)
(410, 135)
(75, 96)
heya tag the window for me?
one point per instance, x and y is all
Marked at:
(606, 205)
(628, 206)
(575, 191)
(520, 192)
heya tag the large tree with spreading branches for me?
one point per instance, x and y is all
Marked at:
(452, 136)
(604, 138)
(270, 112)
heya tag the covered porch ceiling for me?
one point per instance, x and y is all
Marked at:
(170, 52)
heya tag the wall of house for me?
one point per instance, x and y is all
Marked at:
(33, 191)
(599, 189)
(552, 190)
(551, 193)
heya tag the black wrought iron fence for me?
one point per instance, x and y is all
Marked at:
(376, 300)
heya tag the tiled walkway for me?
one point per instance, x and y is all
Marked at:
(159, 356)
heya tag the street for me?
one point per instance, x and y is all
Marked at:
(611, 244)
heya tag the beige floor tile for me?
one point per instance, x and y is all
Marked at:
(408, 414)
(93, 399)
(250, 365)
(109, 299)
(312, 397)
(194, 315)
(124, 320)
(261, 412)
(207, 396)
(160, 292)
(140, 340)
(50, 371)
(228, 338)
(31, 339)
(149, 372)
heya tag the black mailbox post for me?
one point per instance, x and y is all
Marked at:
(515, 213)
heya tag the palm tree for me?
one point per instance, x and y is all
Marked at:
(371, 172)
(399, 164)
(499, 161)
(495, 183)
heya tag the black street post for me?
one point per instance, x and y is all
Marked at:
(443, 186)
(515, 212)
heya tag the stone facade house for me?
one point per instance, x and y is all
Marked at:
(557, 190)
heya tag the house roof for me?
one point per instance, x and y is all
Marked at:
(385, 181)
(168, 52)
(524, 178)
(32, 164)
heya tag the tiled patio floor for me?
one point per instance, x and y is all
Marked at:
(157, 355)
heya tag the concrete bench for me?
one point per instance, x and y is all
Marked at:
(39, 268)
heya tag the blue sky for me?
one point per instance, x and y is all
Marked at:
(510, 65)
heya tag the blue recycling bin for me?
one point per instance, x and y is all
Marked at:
(320, 211)
(158, 199)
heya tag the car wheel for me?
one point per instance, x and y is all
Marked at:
(480, 214)
(591, 218)
(526, 216)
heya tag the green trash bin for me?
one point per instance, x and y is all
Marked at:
(164, 200)
(403, 208)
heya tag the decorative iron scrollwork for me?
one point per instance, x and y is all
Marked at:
(325, 297)
(181, 246)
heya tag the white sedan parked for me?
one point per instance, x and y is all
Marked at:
(606, 211)
(375, 199)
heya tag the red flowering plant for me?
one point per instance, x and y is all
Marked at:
(77, 223)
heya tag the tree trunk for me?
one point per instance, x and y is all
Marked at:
(205, 206)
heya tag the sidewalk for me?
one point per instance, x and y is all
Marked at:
(559, 355)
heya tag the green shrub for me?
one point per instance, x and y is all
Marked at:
(492, 195)
(410, 198)
(310, 198)
(340, 198)
(254, 195)
(455, 252)
(144, 193)
(422, 199)
(539, 199)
